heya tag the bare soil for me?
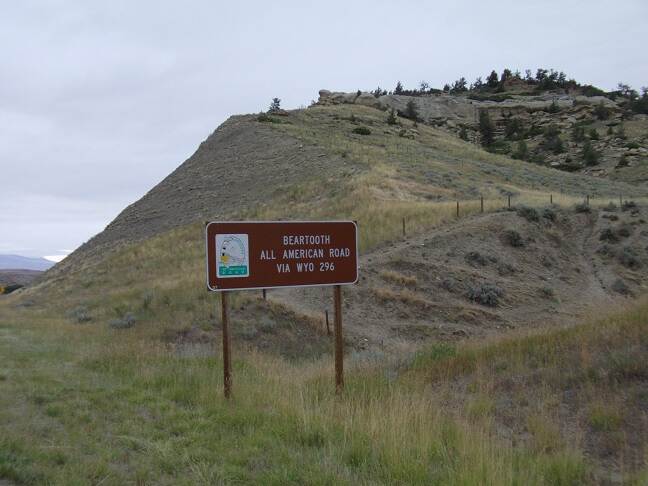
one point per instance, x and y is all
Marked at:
(415, 290)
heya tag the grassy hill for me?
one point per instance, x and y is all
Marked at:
(111, 367)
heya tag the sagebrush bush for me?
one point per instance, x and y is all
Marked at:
(513, 238)
(582, 207)
(361, 131)
(608, 234)
(448, 284)
(528, 213)
(79, 314)
(250, 333)
(624, 230)
(487, 294)
(606, 249)
(125, 322)
(629, 257)
(621, 287)
(268, 324)
(628, 205)
(549, 213)
(475, 257)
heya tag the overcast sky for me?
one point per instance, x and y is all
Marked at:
(100, 100)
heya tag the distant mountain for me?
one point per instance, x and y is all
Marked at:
(24, 263)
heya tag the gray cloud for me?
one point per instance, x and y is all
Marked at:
(100, 100)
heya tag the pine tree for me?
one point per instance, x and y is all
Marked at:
(391, 118)
(411, 111)
(486, 128)
(275, 105)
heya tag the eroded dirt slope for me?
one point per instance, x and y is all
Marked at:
(242, 163)
(548, 273)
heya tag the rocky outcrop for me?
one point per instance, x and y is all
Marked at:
(438, 108)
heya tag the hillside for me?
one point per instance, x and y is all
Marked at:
(310, 164)
(592, 135)
(472, 354)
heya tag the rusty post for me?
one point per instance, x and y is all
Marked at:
(339, 359)
(587, 199)
(264, 294)
(620, 200)
(227, 358)
(328, 327)
(481, 200)
(403, 226)
(457, 209)
(550, 198)
(509, 200)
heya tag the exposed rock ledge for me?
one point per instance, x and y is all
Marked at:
(443, 107)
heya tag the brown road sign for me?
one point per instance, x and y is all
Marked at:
(245, 255)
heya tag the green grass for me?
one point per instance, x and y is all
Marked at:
(120, 406)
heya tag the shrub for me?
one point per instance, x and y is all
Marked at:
(553, 107)
(549, 213)
(449, 284)
(547, 291)
(250, 333)
(522, 151)
(578, 133)
(610, 207)
(608, 234)
(79, 314)
(628, 205)
(623, 161)
(601, 111)
(633, 145)
(362, 131)
(463, 134)
(528, 213)
(621, 287)
(275, 105)
(605, 249)
(268, 325)
(125, 322)
(582, 207)
(594, 134)
(513, 238)
(624, 230)
(628, 256)
(475, 257)
(264, 117)
(487, 294)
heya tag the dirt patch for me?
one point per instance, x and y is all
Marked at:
(467, 280)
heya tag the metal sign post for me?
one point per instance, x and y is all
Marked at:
(260, 255)
(339, 356)
(227, 355)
